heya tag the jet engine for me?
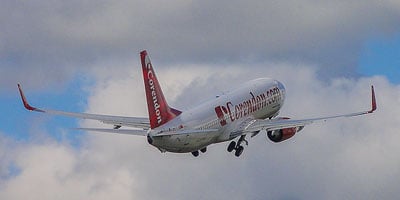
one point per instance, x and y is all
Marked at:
(281, 134)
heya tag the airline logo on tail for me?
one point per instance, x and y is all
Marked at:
(159, 111)
(153, 92)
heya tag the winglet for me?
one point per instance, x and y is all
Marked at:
(24, 101)
(373, 100)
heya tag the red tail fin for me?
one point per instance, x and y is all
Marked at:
(159, 111)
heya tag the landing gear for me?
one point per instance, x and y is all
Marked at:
(195, 153)
(237, 146)
(243, 139)
(239, 151)
(231, 146)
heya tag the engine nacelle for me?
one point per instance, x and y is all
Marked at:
(283, 134)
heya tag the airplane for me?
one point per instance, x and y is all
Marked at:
(245, 111)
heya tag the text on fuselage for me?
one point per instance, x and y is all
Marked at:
(245, 108)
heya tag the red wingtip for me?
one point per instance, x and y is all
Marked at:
(373, 100)
(24, 101)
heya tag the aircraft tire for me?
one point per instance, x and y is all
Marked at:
(203, 150)
(239, 151)
(195, 153)
(231, 146)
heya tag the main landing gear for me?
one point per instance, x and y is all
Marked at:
(237, 146)
(196, 153)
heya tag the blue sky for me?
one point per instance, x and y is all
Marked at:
(19, 123)
(381, 56)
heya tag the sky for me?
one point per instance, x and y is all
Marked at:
(83, 56)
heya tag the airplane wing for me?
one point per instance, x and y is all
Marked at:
(117, 121)
(281, 123)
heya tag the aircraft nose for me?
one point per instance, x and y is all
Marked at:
(149, 139)
(281, 86)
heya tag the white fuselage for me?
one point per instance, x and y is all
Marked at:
(257, 99)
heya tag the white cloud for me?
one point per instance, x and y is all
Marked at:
(56, 171)
(55, 39)
(340, 159)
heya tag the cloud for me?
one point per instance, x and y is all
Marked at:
(52, 170)
(56, 39)
(346, 158)
(349, 156)
(200, 50)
